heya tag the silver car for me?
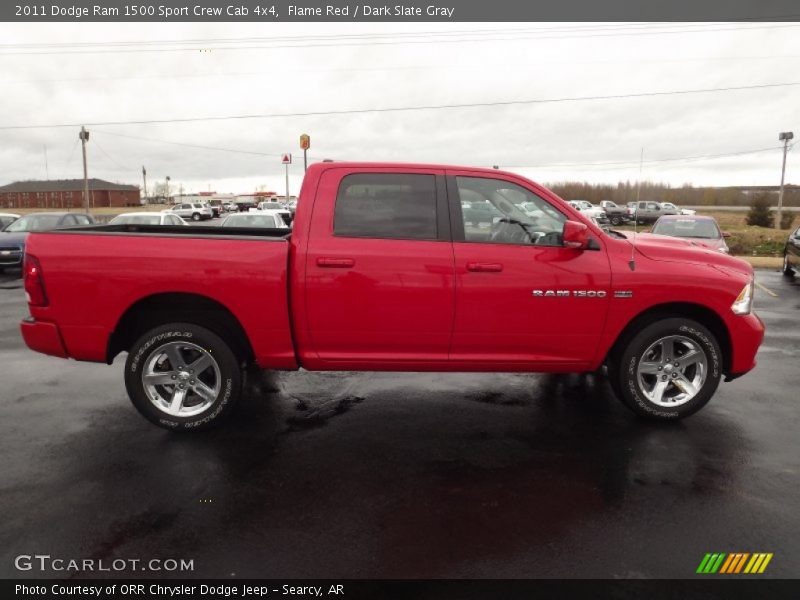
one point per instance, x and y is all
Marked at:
(196, 211)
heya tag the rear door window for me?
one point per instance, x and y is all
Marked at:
(386, 205)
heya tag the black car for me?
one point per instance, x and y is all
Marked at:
(12, 238)
(791, 253)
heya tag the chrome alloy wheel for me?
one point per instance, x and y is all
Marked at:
(181, 379)
(672, 371)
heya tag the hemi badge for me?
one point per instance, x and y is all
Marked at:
(623, 294)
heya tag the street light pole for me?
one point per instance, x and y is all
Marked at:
(785, 136)
(84, 137)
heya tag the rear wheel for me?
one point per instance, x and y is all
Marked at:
(616, 220)
(195, 216)
(669, 370)
(788, 271)
(182, 377)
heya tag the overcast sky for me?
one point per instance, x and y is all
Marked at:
(501, 62)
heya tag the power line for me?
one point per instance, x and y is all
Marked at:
(618, 166)
(367, 36)
(111, 158)
(431, 39)
(405, 108)
(186, 144)
(388, 68)
(649, 161)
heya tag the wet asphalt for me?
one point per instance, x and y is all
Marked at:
(403, 475)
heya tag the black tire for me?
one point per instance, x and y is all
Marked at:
(616, 220)
(195, 216)
(222, 379)
(787, 270)
(625, 380)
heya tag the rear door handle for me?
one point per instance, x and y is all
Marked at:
(335, 263)
(484, 267)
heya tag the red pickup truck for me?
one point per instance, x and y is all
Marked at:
(383, 273)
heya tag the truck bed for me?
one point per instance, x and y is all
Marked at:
(95, 275)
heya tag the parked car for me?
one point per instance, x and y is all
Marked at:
(380, 274)
(216, 207)
(702, 230)
(669, 206)
(617, 215)
(279, 207)
(292, 206)
(590, 210)
(147, 218)
(6, 219)
(263, 218)
(649, 212)
(791, 253)
(480, 214)
(230, 206)
(15, 234)
(196, 211)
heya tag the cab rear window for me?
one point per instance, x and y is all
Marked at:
(386, 205)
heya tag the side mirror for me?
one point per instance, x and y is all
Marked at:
(726, 234)
(576, 235)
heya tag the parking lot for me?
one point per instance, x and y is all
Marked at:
(404, 475)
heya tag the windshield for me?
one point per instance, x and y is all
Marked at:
(688, 228)
(4, 221)
(136, 220)
(250, 220)
(35, 223)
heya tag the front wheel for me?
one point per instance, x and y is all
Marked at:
(195, 216)
(182, 377)
(788, 271)
(669, 370)
(616, 220)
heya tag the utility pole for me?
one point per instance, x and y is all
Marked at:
(84, 137)
(167, 200)
(46, 167)
(144, 177)
(784, 136)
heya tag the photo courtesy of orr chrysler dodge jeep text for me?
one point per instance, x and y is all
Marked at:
(382, 272)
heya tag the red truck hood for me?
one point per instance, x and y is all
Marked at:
(670, 249)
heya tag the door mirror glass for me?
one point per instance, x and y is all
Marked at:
(576, 235)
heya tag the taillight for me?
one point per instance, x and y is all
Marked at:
(34, 284)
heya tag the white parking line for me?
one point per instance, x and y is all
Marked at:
(766, 289)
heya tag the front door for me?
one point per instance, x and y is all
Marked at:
(522, 298)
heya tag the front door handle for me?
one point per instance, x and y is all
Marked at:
(335, 263)
(484, 267)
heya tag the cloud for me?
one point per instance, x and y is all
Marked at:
(63, 87)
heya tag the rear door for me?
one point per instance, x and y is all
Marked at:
(522, 298)
(379, 285)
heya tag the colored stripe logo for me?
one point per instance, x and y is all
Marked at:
(734, 563)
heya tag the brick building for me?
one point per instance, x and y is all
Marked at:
(67, 193)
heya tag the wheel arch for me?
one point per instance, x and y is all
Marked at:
(698, 312)
(178, 307)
